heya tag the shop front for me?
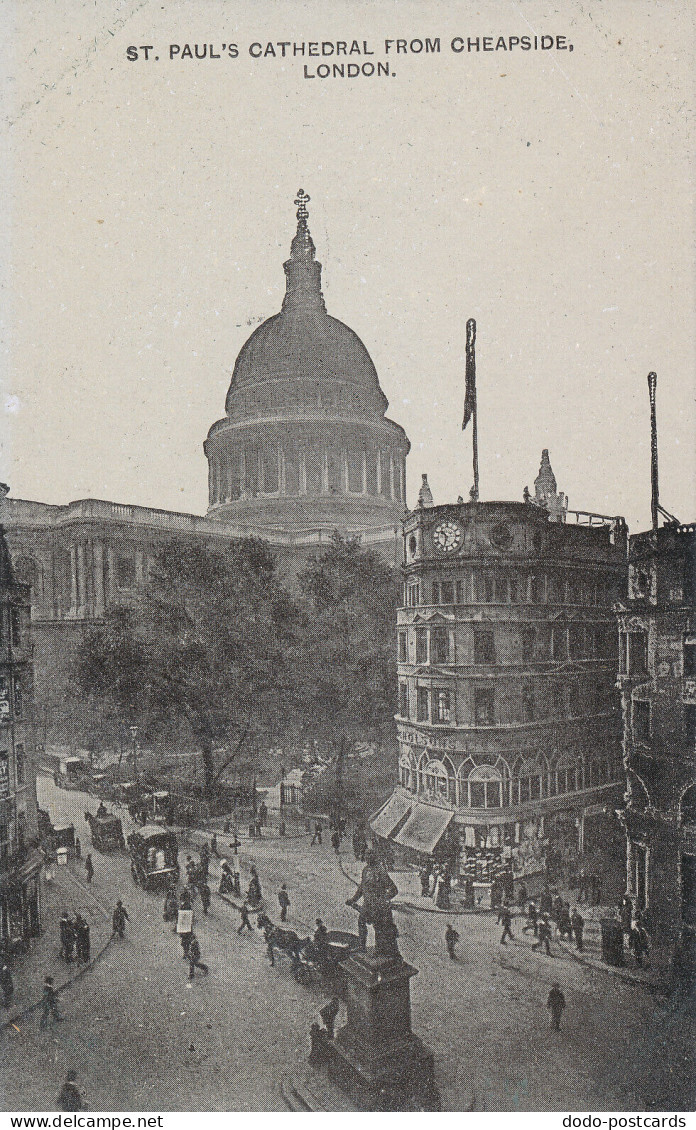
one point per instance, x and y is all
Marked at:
(20, 903)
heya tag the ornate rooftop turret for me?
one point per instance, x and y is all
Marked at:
(302, 271)
(546, 493)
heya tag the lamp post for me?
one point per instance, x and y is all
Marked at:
(134, 737)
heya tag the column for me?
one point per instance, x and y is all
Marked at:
(211, 489)
(139, 573)
(81, 595)
(110, 573)
(73, 580)
(98, 565)
(324, 471)
(345, 472)
(379, 472)
(303, 473)
(281, 470)
(391, 475)
(242, 471)
(364, 483)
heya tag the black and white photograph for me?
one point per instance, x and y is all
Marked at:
(347, 561)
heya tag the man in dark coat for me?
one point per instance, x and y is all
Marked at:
(246, 921)
(544, 938)
(506, 918)
(556, 1003)
(119, 919)
(89, 867)
(70, 1097)
(578, 924)
(49, 1003)
(194, 957)
(532, 919)
(67, 936)
(451, 939)
(336, 841)
(204, 891)
(284, 902)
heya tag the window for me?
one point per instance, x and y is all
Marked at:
(484, 588)
(17, 697)
(20, 765)
(447, 592)
(477, 794)
(690, 657)
(576, 641)
(15, 627)
(528, 703)
(443, 712)
(421, 645)
(537, 588)
(572, 590)
(439, 645)
(436, 592)
(269, 467)
(462, 590)
(403, 700)
(637, 654)
(484, 646)
(573, 700)
(125, 572)
(412, 543)
(641, 721)
(403, 647)
(501, 589)
(413, 594)
(483, 706)
(528, 642)
(559, 644)
(422, 712)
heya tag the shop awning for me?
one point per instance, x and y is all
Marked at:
(424, 828)
(386, 820)
(27, 869)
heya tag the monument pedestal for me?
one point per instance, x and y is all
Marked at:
(376, 1057)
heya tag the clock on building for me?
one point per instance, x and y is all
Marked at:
(448, 536)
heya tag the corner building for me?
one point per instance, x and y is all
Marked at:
(20, 856)
(657, 679)
(508, 722)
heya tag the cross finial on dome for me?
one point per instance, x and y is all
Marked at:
(302, 200)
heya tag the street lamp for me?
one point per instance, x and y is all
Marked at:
(134, 736)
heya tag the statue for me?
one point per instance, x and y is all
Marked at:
(376, 890)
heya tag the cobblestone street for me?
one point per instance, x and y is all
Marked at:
(141, 1038)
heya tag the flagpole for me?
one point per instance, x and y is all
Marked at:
(471, 406)
(474, 436)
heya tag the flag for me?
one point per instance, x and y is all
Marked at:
(470, 397)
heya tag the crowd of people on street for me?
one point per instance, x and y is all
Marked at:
(74, 938)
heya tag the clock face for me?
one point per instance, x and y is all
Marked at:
(501, 536)
(448, 536)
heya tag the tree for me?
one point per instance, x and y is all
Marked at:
(349, 656)
(207, 644)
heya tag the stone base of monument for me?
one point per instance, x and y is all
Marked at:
(376, 1058)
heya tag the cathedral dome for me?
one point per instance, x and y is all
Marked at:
(305, 443)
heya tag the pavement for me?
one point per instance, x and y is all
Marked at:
(142, 1039)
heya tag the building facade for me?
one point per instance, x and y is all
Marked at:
(304, 449)
(508, 720)
(20, 857)
(657, 679)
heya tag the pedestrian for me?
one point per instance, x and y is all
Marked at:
(532, 919)
(258, 825)
(70, 1096)
(67, 937)
(268, 932)
(263, 813)
(451, 939)
(119, 919)
(78, 848)
(7, 985)
(214, 847)
(565, 923)
(505, 917)
(191, 871)
(254, 891)
(284, 901)
(204, 891)
(635, 942)
(544, 937)
(321, 941)
(316, 838)
(425, 881)
(556, 1003)
(577, 923)
(336, 842)
(82, 939)
(185, 899)
(442, 902)
(194, 957)
(49, 1004)
(236, 876)
(246, 921)
(89, 867)
(328, 1015)
(546, 901)
(522, 896)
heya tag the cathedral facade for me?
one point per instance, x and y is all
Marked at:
(304, 449)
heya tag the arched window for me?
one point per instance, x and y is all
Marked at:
(687, 806)
(527, 781)
(438, 782)
(485, 787)
(408, 772)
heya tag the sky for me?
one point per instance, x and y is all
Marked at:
(148, 208)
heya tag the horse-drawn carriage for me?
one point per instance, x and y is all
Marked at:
(106, 831)
(154, 856)
(309, 957)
